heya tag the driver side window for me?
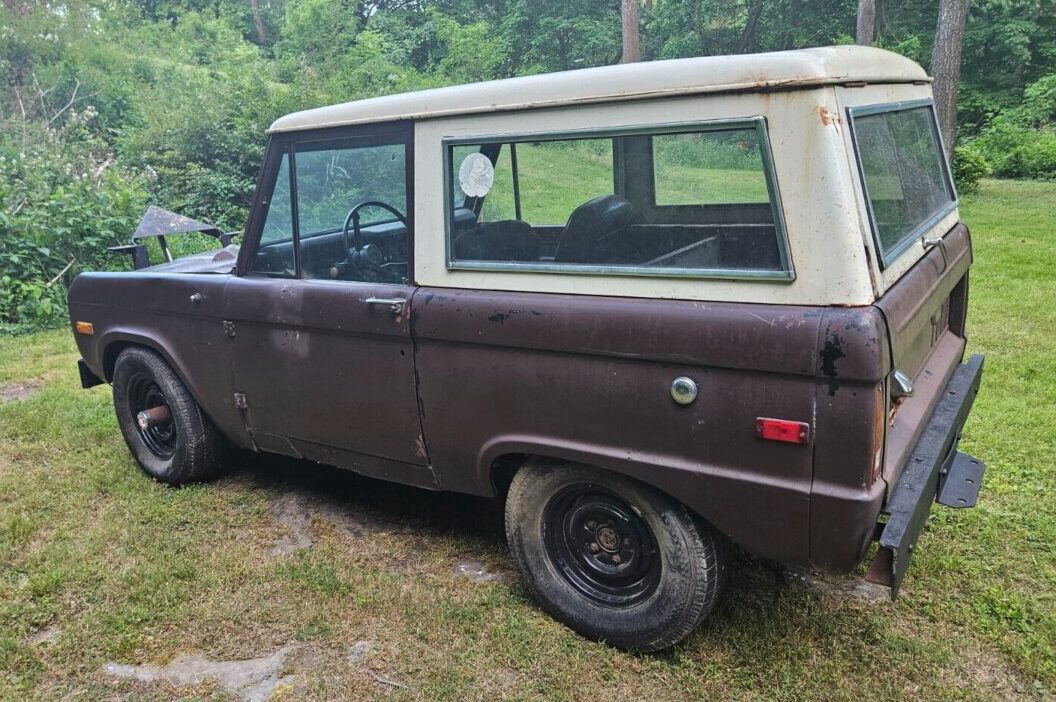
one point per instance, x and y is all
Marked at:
(351, 200)
(340, 205)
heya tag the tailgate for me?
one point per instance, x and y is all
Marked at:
(925, 313)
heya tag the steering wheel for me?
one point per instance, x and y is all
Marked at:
(352, 245)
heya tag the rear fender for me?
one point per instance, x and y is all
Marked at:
(716, 495)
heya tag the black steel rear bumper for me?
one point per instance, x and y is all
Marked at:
(935, 471)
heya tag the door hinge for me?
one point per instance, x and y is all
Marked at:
(240, 401)
(229, 329)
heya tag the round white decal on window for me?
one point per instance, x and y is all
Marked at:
(476, 175)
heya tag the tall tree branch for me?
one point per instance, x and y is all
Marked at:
(755, 9)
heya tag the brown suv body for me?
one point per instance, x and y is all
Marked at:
(453, 387)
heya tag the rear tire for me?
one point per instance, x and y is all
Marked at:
(186, 449)
(613, 559)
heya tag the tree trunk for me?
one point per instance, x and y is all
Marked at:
(946, 66)
(866, 22)
(755, 8)
(631, 46)
(258, 23)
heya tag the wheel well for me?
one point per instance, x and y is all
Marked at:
(110, 354)
(503, 469)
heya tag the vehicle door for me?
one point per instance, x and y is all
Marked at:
(319, 313)
(912, 214)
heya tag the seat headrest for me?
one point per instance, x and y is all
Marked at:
(605, 212)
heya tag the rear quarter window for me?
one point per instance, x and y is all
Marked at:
(905, 176)
(697, 200)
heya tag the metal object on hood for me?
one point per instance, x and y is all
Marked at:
(159, 223)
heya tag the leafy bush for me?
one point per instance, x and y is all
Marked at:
(61, 205)
(1018, 151)
(969, 167)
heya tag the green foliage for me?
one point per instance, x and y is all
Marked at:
(60, 207)
(969, 167)
(168, 101)
(1018, 151)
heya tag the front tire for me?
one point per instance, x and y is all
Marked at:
(612, 558)
(185, 448)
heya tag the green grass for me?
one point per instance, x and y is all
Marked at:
(129, 571)
(557, 177)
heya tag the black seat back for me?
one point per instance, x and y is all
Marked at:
(589, 224)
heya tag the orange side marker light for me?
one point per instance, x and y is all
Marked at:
(85, 328)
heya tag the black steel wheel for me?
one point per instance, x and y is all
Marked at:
(614, 559)
(168, 434)
(602, 547)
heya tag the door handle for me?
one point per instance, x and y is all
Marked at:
(395, 304)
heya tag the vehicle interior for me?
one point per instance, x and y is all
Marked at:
(684, 201)
(346, 206)
(627, 221)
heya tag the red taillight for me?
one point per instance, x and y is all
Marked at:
(782, 430)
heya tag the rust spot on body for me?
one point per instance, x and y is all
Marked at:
(828, 119)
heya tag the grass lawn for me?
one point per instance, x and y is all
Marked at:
(360, 589)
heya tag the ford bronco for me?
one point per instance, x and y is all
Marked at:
(660, 308)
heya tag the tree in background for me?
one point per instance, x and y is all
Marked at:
(946, 66)
(629, 23)
(866, 27)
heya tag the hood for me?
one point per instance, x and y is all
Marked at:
(216, 261)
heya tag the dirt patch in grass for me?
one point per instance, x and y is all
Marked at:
(17, 390)
(297, 511)
(479, 572)
(836, 586)
(251, 680)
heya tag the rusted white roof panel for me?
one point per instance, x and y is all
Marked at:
(709, 74)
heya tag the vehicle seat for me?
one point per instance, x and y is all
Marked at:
(505, 240)
(589, 224)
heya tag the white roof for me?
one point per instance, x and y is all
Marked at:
(707, 74)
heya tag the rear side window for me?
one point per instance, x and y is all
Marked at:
(697, 200)
(905, 177)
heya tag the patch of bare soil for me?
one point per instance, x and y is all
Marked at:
(297, 511)
(18, 390)
(252, 680)
(479, 572)
(987, 671)
(833, 586)
(45, 635)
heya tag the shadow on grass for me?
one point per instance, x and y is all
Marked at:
(373, 502)
(753, 585)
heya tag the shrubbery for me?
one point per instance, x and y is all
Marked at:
(61, 205)
(969, 167)
(1020, 142)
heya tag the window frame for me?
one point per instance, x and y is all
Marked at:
(886, 258)
(786, 274)
(285, 144)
